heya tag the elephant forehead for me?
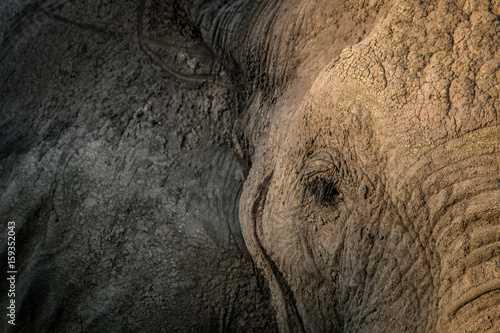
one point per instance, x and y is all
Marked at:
(411, 91)
(409, 80)
(432, 80)
(408, 92)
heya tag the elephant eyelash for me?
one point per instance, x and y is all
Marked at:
(323, 191)
(321, 174)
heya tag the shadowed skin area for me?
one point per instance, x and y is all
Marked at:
(350, 150)
(117, 167)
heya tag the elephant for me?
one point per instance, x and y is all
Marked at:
(118, 173)
(323, 166)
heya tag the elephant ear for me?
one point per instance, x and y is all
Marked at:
(192, 54)
(118, 171)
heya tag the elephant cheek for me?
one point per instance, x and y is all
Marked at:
(252, 205)
(278, 245)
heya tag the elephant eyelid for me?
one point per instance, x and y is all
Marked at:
(312, 173)
(320, 162)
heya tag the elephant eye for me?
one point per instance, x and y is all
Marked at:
(323, 191)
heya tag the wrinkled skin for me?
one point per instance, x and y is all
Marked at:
(373, 197)
(369, 137)
(380, 206)
(119, 173)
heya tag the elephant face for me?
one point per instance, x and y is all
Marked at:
(373, 201)
(369, 142)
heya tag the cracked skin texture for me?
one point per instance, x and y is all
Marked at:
(366, 132)
(120, 176)
(404, 127)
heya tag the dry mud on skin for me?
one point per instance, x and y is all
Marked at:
(239, 166)
(119, 174)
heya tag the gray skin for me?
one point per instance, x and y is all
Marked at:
(117, 167)
(365, 174)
